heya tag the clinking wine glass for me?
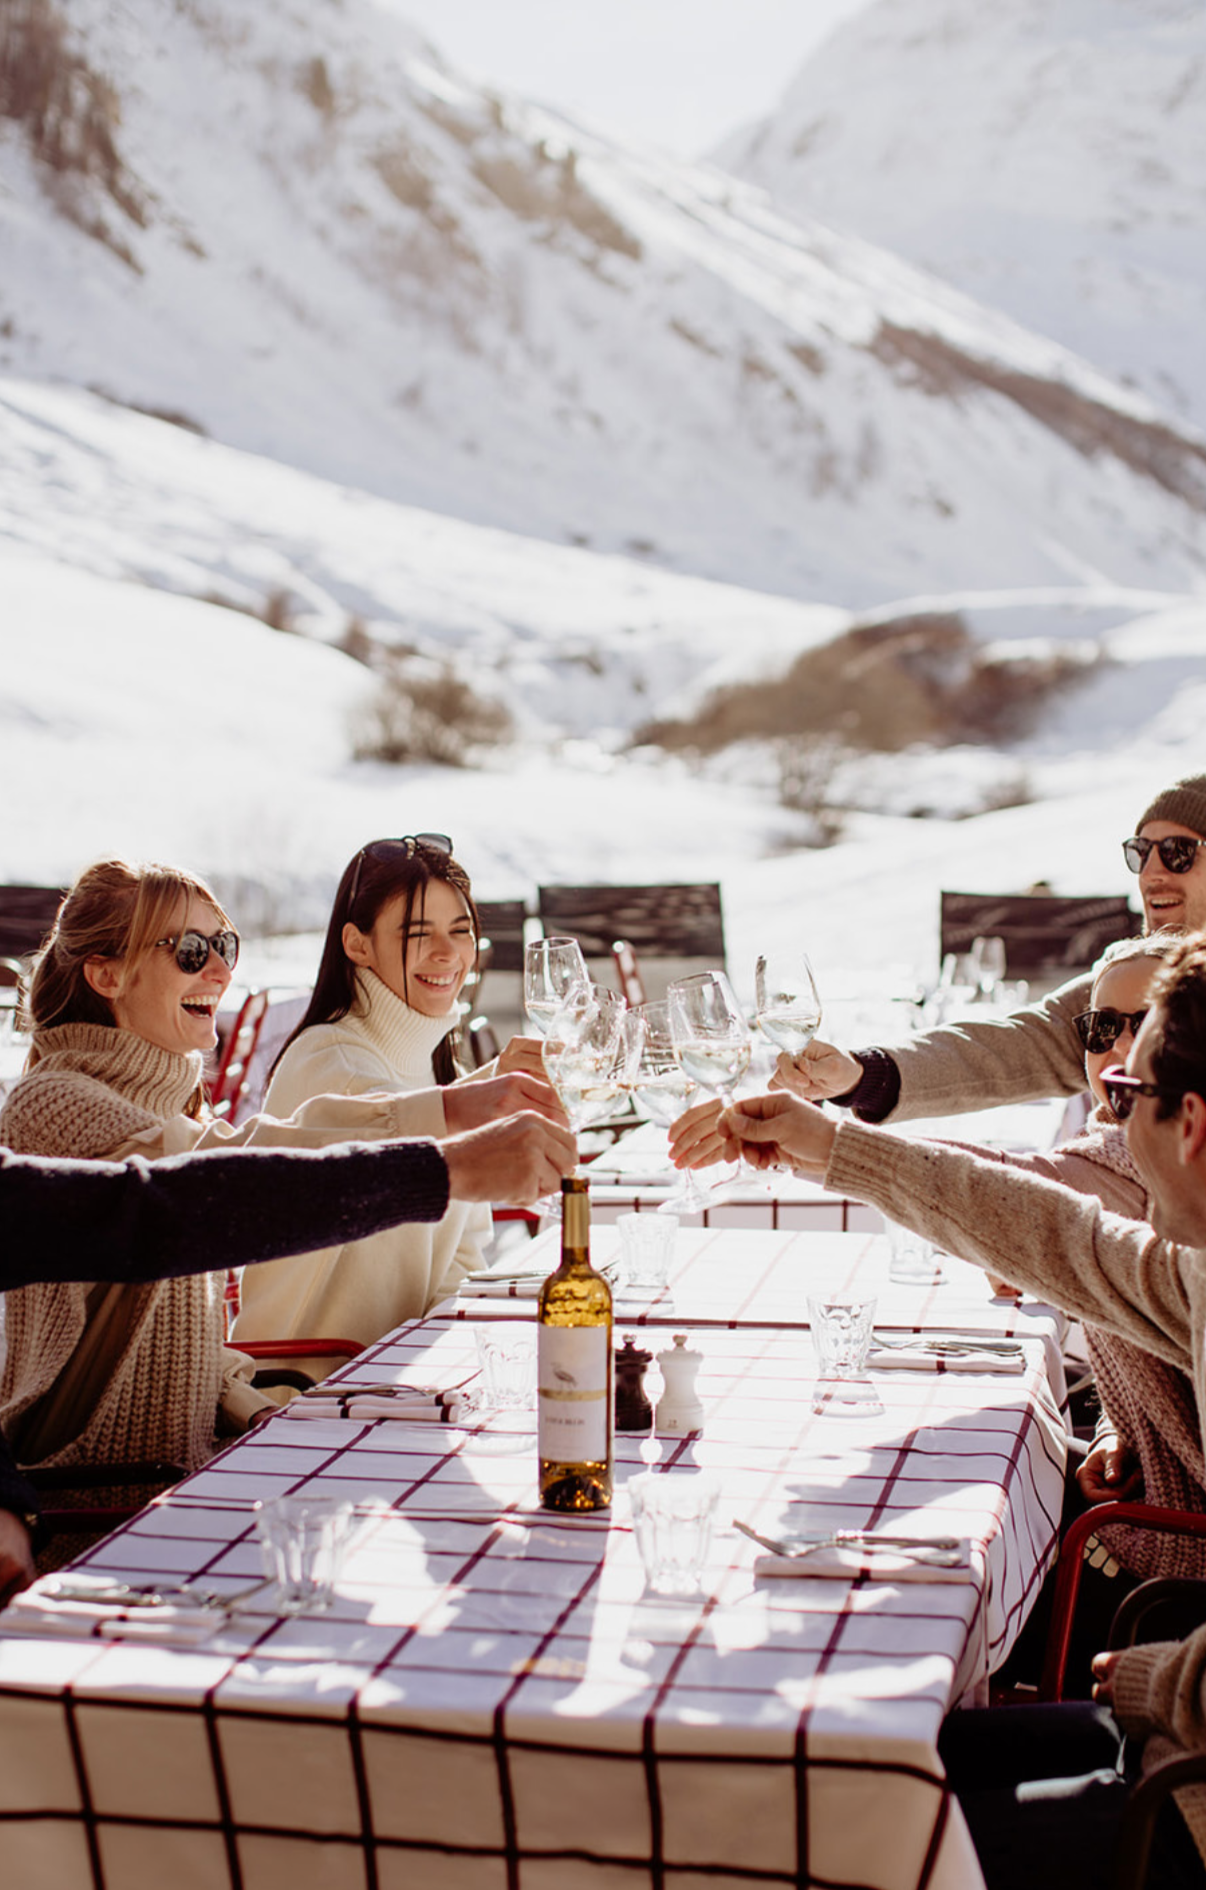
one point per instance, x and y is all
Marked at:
(583, 1056)
(710, 1033)
(786, 1001)
(662, 1088)
(550, 967)
(988, 957)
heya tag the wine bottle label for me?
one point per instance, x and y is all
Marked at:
(573, 1393)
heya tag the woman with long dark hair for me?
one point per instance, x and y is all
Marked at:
(402, 939)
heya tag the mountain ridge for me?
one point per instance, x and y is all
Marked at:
(343, 257)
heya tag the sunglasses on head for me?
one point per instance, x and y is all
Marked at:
(1123, 1092)
(1177, 853)
(192, 949)
(408, 846)
(1100, 1030)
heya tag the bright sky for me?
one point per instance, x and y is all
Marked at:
(679, 73)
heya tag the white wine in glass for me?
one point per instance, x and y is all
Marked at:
(710, 1034)
(583, 1057)
(663, 1090)
(550, 967)
(786, 1002)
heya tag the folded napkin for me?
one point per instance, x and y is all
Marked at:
(923, 1358)
(846, 1561)
(40, 1611)
(517, 1287)
(514, 1284)
(444, 1409)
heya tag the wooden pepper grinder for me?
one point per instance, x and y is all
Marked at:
(633, 1409)
(679, 1411)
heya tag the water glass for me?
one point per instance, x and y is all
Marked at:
(506, 1350)
(672, 1517)
(841, 1337)
(304, 1539)
(914, 1261)
(646, 1248)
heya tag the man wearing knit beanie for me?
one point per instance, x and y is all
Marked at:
(1035, 1052)
(1174, 898)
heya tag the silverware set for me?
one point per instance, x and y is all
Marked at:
(952, 1347)
(940, 1551)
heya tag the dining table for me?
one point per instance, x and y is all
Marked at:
(496, 1699)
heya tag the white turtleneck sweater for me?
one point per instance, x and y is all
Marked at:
(365, 1289)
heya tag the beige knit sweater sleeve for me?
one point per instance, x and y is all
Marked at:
(1113, 1272)
(1063, 1246)
(978, 1064)
(317, 1124)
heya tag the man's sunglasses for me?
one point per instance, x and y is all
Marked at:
(1100, 1030)
(1177, 853)
(408, 846)
(1123, 1091)
(192, 949)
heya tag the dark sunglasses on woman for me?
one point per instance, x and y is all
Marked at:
(192, 949)
(1100, 1030)
(408, 845)
(1123, 1092)
(1177, 853)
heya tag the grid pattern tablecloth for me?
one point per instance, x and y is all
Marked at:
(730, 1277)
(494, 1703)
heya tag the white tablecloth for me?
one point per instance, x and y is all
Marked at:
(494, 1700)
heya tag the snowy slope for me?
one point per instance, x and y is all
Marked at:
(318, 245)
(1047, 156)
(160, 727)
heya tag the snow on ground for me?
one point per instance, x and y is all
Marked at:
(156, 726)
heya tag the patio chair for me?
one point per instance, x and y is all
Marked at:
(1047, 938)
(26, 916)
(99, 1518)
(1070, 1568)
(229, 1087)
(340, 1351)
(677, 927)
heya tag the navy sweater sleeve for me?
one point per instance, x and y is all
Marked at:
(139, 1220)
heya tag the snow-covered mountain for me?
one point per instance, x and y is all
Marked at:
(293, 227)
(1047, 156)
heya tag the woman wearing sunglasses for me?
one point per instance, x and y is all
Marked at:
(401, 941)
(122, 1004)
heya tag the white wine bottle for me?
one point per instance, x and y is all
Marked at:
(574, 1352)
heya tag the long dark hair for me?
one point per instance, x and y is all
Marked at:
(377, 874)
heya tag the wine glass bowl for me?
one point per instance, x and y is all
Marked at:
(662, 1089)
(786, 1002)
(583, 1052)
(709, 1031)
(551, 966)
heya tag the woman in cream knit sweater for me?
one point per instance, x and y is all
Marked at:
(402, 939)
(122, 1003)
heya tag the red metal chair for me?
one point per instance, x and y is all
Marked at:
(628, 973)
(229, 1085)
(98, 1519)
(342, 1350)
(1070, 1568)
